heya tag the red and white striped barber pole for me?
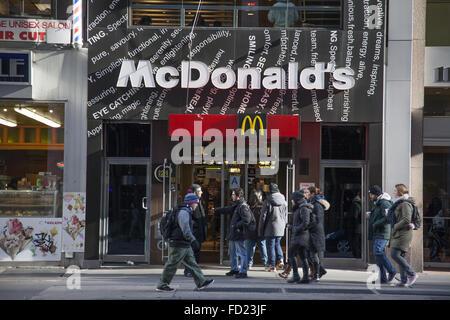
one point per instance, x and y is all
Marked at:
(77, 26)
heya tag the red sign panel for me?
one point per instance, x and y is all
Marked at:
(288, 126)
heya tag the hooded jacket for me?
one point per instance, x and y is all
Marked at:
(273, 218)
(317, 232)
(301, 218)
(379, 227)
(401, 234)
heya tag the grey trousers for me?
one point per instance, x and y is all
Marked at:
(405, 269)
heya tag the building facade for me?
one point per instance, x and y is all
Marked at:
(339, 80)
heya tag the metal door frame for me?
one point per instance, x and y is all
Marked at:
(361, 263)
(104, 218)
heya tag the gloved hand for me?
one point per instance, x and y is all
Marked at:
(195, 245)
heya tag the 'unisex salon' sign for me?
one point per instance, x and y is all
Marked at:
(319, 74)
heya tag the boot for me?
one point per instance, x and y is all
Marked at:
(315, 276)
(322, 271)
(286, 272)
(305, 278)
(295, 276)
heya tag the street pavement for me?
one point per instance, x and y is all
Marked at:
(121, 282)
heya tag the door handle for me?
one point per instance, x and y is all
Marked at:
(144, 203)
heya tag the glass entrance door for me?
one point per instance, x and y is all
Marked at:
(126, 214)
(344, 222)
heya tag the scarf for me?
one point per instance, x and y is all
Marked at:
(391, 211)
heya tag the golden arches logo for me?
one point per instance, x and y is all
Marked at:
(252, 125)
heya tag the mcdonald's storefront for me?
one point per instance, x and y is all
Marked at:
(320, 89)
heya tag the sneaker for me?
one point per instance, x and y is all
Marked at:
(205, 284)
(400, 285)
(241, 276)
(188, 274)
(165, 288)
(280, 265)
(249, 267)
(271, 269)
(412, 280)
(231, 273)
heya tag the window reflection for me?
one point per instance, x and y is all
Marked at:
(237, 13)
(26, 7)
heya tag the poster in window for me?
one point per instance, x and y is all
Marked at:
(74, 221)
(30, 239)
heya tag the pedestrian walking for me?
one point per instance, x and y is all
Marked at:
(241, 217)
(380, 232)
(299, 244)
(255, 202)
(317, 231)
(272, 225)
(180, 251)
(199, 225)
(399, 215)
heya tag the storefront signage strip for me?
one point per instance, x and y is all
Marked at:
(275, 77)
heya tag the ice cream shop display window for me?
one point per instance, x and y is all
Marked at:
(31, 159)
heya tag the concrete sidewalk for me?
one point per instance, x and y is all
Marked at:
(139, 283)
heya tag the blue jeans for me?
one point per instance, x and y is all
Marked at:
(251, 247)
(238, 250)
(274, 250)
(381, 259)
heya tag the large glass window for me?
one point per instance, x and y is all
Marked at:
(27, 7)
(237, 13)
(437, 23)
(437, 102)
(127, 140)
(31, 159)
(436, 204)
(343, 142)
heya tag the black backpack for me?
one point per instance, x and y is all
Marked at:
(415, 218)
(168, 223)
(252, 225)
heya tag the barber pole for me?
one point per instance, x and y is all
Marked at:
(77, 23)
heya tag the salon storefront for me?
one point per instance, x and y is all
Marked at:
(41, 135)
(321, 86)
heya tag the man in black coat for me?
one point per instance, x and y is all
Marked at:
(237, 232)
(300, 237)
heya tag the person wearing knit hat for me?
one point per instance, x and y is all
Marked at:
(375, 190)
(181, 241)
(199, 228)
(380, 232)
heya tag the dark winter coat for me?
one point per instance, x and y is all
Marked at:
(300, 223)
(240, 219)
(379, 227)
(317, 231)
(273, 219)
(401, 234)
(200, 225)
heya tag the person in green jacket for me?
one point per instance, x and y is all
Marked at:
(399, 216)
(380, 232)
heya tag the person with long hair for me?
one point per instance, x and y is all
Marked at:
(255, 202)
(399, 216)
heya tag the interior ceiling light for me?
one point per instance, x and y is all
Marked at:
(7, 123)
(37, 117)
